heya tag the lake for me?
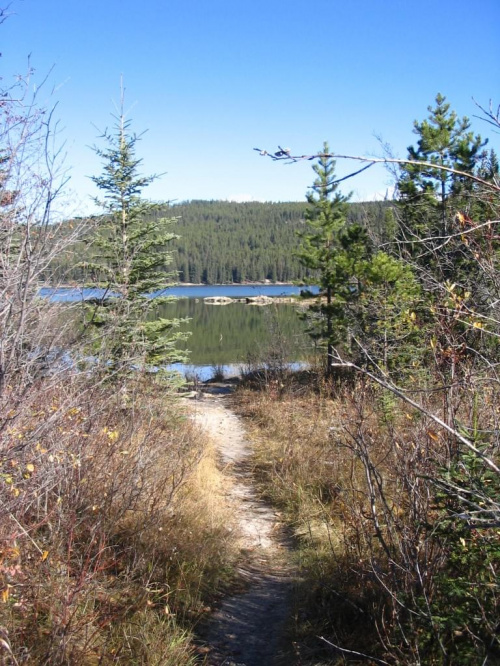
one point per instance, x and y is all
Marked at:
(72, 294)
(226, 336)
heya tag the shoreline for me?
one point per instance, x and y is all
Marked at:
(68, 285)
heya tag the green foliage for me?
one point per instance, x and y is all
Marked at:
(455, 613)
(337, 252)
(222, 242)
(368, 298)
(393, 316)
(431, 198)
(459, 619)
(226, 242)
(130, 260)
(446, 141)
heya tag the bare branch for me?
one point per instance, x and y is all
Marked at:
(281, 156)
(492, 116)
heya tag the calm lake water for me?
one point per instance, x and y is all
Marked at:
(183, 291)
(226, 335)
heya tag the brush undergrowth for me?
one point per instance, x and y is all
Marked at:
(392, 570)
(113, 534)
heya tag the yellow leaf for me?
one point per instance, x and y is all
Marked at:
(45, 555)
(433, 435)
(477, 324)
(30, 467)
(5, 594)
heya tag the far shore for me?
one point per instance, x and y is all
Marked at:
(265, 283)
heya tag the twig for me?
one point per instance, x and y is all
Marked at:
(26, 533)
(6, 646)
(357, 654)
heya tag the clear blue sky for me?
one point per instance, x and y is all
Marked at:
(212, 79)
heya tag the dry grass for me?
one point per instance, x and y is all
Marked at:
(201, 531)
(354, 478)
(112, 539)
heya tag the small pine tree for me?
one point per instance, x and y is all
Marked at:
(426, 193)
(131, 260)
(336, 251)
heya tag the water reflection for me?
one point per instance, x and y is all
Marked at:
(224, 335)
(231, 334)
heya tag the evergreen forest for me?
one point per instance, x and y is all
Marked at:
(222, 242)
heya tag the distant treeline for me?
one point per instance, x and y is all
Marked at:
(224, 242)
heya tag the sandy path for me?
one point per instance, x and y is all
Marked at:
(247, 628)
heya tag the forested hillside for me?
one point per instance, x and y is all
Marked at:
(222, 242)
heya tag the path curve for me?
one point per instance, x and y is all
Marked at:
(247, 629)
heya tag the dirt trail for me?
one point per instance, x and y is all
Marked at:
(247, 628)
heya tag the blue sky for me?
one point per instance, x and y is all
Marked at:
(211, 79)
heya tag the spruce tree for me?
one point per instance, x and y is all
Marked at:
(130, 260)
(337, 252)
